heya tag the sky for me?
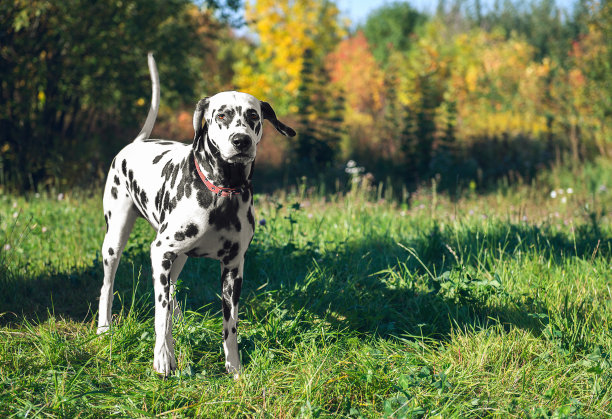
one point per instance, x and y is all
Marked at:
(358, 10)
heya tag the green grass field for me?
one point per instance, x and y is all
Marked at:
(493, 305)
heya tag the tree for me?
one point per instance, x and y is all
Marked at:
(286, 29)
(354, 71)
(320, 116)
(391, 28)
(73, 72)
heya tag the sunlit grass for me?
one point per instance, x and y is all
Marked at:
(489, 305)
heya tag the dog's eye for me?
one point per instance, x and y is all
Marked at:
(221, 116)
(254, 117)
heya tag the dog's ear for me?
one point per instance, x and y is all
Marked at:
(198, 115)
(270, 115)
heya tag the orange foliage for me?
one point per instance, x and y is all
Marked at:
(354, 70)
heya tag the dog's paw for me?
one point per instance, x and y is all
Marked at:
(102, 329)
(235, 369)
(164, 361)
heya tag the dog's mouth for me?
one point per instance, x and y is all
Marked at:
(243, 157)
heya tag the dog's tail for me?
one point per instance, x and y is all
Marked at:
(148, 125)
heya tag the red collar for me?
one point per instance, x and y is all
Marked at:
(216, 189)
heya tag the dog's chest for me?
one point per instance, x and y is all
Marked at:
(224, 231)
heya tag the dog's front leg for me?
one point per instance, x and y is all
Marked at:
(231, 283)
(162, 259)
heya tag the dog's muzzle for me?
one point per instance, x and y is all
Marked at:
(241, 142)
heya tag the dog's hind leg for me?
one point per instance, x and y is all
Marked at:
(120, 216)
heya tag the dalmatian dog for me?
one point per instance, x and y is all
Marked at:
(199, 200)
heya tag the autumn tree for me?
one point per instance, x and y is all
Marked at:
(285, 30)
(354, 71)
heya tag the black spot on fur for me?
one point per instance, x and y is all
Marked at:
(111, 251)
(174, 175)
(158, 158)
(191, 230)
(179, 236)
(109, 215)
(124, 167)
(237, 290)
(166, 264)
(225, 334)
(114, 192)
(258, 128)
(167, 170)
(163, 228)
(167, 201)
(233, 330)
(170, 256)
(226, 310)
(233, 252)
(143, 198)
(116, 180)
(251, 218)
(113, 164)
(163, 279)
(164, 304)
(105, 262)
(246, 194)
(225, 215)
(158, 243)
(159, 298)
(204, 198)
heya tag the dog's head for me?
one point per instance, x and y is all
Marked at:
(233, 122)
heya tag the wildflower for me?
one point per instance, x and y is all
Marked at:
(602, 188)
(553, 194)
(60, 196)
(14, 204)
(7, 247)
(37, 195)
(564, 200)
(310, 215)
(569, 191)
(44, 229)
(262, 222)
(15, 214)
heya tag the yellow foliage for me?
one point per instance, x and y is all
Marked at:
(285, 30)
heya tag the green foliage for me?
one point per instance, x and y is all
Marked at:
(320, 110)
(391, 28)
(74, 75)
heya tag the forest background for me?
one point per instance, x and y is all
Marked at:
(467, 95)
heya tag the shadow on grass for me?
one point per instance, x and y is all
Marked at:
(370, 285)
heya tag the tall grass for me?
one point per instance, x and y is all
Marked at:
(355, 306)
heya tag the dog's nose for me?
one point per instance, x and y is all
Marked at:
(241, 141)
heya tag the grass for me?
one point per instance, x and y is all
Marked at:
(495, 305)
